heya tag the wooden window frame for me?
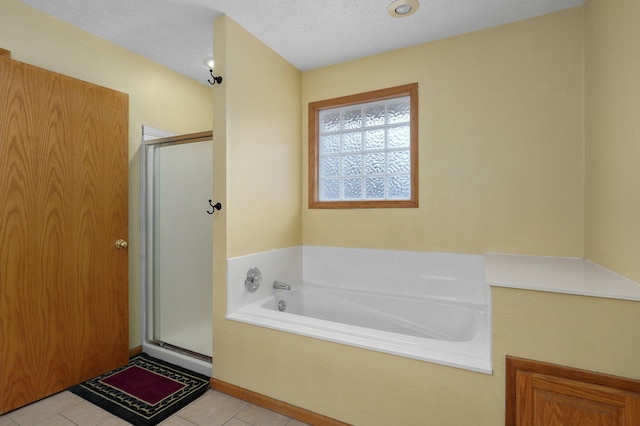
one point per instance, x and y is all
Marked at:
(410, 90)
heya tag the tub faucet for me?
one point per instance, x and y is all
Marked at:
(281, 286)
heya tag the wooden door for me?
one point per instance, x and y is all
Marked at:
(550, 395)
(63, 204)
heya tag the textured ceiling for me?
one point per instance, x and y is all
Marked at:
(308, 33)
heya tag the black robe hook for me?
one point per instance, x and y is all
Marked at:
(217, 79)
(214, 207)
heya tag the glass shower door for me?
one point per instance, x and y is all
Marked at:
(180, 245)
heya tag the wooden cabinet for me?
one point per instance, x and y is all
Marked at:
(551, 395)
(63, 205)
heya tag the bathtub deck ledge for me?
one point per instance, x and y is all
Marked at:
(564, 275)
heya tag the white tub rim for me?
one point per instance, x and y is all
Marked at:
(473, 355)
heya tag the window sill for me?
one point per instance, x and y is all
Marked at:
(383, 204)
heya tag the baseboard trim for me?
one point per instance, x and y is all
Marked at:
(272, 404)
(135, 351)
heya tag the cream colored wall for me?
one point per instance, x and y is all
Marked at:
(501, 142)
(257, 155)
(158, 97)
(262, 139)
(583, 332)
(613, 135)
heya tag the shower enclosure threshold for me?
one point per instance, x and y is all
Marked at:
(184, 358)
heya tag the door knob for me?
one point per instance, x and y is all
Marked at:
(120, 244)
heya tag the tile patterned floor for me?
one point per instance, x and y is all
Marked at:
(212, 409)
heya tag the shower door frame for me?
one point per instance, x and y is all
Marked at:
(147, 270)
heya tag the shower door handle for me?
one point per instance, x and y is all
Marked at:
(121, 244)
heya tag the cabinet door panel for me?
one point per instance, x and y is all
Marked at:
(539, 393)
(559, 401)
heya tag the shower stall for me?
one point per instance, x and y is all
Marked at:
(178, 247)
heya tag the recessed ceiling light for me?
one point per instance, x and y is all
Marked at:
(209, 62)
(402, 8)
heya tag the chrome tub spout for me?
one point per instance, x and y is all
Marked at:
(281, 286)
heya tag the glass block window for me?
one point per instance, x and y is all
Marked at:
(363, 150)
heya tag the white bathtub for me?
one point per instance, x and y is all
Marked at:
(437, 317)
(420, 318)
